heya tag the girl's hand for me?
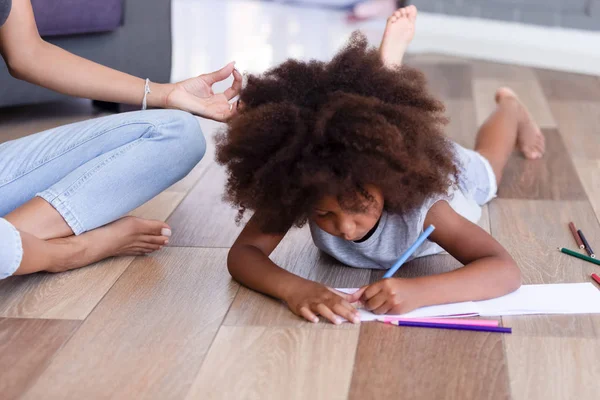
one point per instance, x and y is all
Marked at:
(195, 95)
(314, 299)
(389, 296)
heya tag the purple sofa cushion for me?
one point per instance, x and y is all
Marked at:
(68, 17)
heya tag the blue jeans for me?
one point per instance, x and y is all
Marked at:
(96, 171)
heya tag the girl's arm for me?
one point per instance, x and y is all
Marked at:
(488, 272)
(249, 264)
(31, 59)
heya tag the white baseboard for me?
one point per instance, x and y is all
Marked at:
(545, 47)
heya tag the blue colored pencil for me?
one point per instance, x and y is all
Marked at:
(587, 246)
(478, 328)
(409, 252)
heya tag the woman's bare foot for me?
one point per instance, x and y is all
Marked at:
(128, 236)
(399, 32)
(530, 139)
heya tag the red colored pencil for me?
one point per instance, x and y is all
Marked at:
(596, 278)
(576, 235)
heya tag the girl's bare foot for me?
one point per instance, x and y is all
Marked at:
(128, 236)
(399, 32)
(530, 139)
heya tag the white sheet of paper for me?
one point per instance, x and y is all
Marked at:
(562, 298)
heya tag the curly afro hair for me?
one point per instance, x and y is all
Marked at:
(310, 129)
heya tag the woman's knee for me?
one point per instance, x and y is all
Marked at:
(185, 136)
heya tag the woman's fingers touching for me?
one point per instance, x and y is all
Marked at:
(219, 75)
(236, 86)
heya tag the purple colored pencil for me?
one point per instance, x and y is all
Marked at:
(478, 328)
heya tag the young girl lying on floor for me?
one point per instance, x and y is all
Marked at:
(355, 147)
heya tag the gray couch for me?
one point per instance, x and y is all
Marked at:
(139, 43)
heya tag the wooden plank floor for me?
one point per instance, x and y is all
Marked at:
(174, 325)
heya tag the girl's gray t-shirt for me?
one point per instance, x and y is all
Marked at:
(4, 10)
(396, 233)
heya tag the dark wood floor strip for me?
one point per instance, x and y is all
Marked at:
(551, 178)
(415, 363)
(26, 348)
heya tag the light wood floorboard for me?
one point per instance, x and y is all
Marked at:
(277, 363)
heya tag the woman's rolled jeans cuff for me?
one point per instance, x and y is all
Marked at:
(11, 249)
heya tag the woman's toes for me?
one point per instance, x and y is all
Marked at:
(152, 227)
(532, 153)
(148, 247)
(160, 240)
(146, 251)
(159, 228)
(134, 252)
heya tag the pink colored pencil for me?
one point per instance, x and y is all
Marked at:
(457, 321)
